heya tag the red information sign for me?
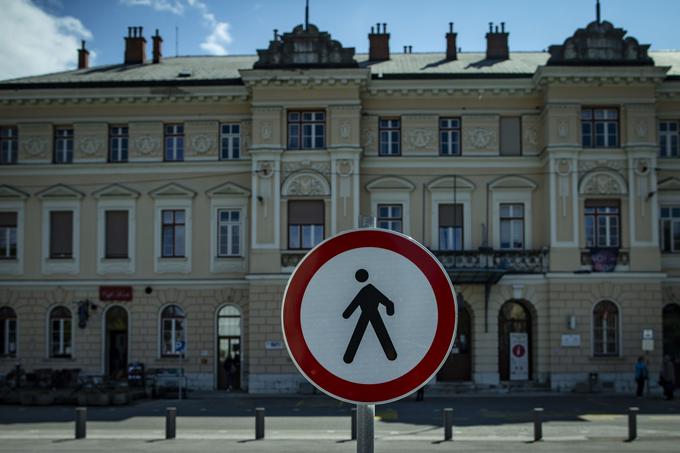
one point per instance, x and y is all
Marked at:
(115, 293)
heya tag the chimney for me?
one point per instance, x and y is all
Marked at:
(497, 43)
(379, 44)
(135, 46)
(83, 57)
(157, 42)
(451, 53)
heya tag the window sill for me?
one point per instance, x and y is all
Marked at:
(173, 258)
(60, 260)
(115, 260)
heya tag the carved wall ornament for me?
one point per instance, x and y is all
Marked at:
(585, 166)
(344, 167)
(265, 169)
(266, 130)
(246, 132)
(420, 137)
(481, 138)
(202, 143)
(35, 146)
(563, 128)
(641, 128)
(602, 184)
(642, 167)
(345, 129)
(292, 167)
(306, 185)
(147, 144)
(368, 135)
(563, 167)
(90, 145)
(531, 135)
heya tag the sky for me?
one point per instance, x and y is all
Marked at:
(41, 36)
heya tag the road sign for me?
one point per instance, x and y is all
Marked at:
(180, 346)
(369, 316)
(519, 359)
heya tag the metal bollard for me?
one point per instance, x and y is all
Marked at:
(81, 422)
(170, 422)
(632, 423)
(259, 423)
(354, 423)
(448, 423)
(538, 424)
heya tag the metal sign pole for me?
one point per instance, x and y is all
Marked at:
(365, 428)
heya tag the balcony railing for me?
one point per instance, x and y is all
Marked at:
(481, 266)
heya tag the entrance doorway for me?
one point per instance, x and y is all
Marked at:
(513, 318)
(229, 348)
(671, 336)
(458, 366)
(116, 343)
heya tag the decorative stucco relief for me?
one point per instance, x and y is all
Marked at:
(563, 128)
(147, 144)
(344, 168)
(202, 143)
(602, 184)
(420, 137)
(292, 167)
(266, 130)
(585, 166)
(35, 146)
(345, 129)
(641, 128)
(481, 138)
(368, 135)
(246, 133)
(531, 135)
(563, 170)
(90, 146)
(306, 185)
(265, 173)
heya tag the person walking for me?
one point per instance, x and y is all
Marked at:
(667, 377)
(229, 369)
(641, 375)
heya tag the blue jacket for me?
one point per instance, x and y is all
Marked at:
(640, 370)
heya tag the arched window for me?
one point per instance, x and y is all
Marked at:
(173, 331)
(605, 329)
(8, 332)
(61, 332)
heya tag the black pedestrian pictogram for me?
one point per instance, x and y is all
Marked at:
(369, 300)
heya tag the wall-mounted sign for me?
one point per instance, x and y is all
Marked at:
(647, 334)
(273, 344)
(571, 341)
(519, 356)
(604, 260)
(647, 345)
(115, 293)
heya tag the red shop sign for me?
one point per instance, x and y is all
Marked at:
(115, 293)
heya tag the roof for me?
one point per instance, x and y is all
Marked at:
(219, 70)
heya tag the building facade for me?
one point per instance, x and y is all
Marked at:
(157, 206)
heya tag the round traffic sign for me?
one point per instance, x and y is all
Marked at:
(369, 316)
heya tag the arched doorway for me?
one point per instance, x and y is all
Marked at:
(458, 366)
(229, 348)
(514, 337)
(116, 343)
(671, 336)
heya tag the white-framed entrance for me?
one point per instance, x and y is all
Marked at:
(116, 331)
(228, 343)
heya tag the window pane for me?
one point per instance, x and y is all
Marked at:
(179, 240)
(294, 236)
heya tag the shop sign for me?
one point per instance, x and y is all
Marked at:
(115, 293)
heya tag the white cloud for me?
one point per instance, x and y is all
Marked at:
(175, 7)
(215, 42)
(35, 42)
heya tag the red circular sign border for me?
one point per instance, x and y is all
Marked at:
(308, 365)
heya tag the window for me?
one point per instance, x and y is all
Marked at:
(450, 227)
(306, 130)
(600, 127)
(602, 223)
(390, 137)
(305, 224)
(8, 235)
(118, 144)
(511, 137)
(228, 232)
(449, 137)
(9, 149)
(61, 331)
(390, 217)
(230, 140)
(173, 330)
(669, 144)
(61, 234)
(512, 226)
(174, 142)
(116, 246)
(606, 329)
(63, 145)
(172, 234)
(8, 332)
(670, 229)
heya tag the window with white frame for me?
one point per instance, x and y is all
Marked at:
(390, 137)
(8, 332)
(390, 217)
(61, 234)
(305, 223)
(450, 227)
(230, 141)
(9, 145)
(605, 329)
(173, 331)
(174, 142)
(228, 232)
(600, 127)
(670, 229)
(63, 145)
(669, 139)
(116, 229)
(512, 226)
(8, 235)
(118, 143)
(449, 136)
(173, 233)
(61, 331)
(306, 129)
(602, 223)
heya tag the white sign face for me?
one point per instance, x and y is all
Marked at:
(647, 334)
(647, 345)
(344, 336)
(571, 341)
(519, 357)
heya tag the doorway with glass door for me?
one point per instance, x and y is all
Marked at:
(229, 348)
(116, 343)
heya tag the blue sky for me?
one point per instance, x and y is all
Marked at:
(41, 36)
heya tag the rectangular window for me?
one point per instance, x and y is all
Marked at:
(449, 136)
(390, 217)
(511, 136)
(63, 145)
(118, 144)
(116, 234)
(390, 137)
(306, 130)
(172, 234)
(305, 224)
(9, 145)
(8, 235)
(669, 143)
(670, 229)
(8, 337)
(230, 141)
(602, 223)
(228, 232)
(512, 226)
(61, 234)
(174, 142)
(600, 127)
(450, 227)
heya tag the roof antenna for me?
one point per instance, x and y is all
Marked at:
(597, 11)
(307, 16)
(176, 41)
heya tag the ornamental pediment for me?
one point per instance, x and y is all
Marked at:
(115, 191)
(669, 184)
(390, 183)
(60, 191)
(172, 190)
(11, 193)
(228, 189)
